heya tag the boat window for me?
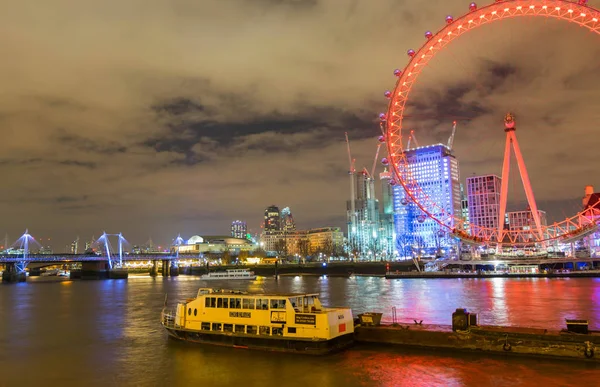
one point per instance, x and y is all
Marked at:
(226, 303)
(207, 302)
(195, 312)
(248, 303)
(219, 302)
(262, 304)
(278, 331)
(251, 330)
(238, 303)
(265, 330)
(205, 326)
(277, 304)
(216, 326)
(227, 327)
(213, 302)
(291, 330)
(240, 328)
(189, 311)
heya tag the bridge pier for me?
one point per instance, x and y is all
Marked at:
(166, 268)
(174, 270)
(94, 270)
(169, 268)
(11, 274)
(154, 269)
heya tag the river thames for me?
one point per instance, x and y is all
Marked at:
(108, 333)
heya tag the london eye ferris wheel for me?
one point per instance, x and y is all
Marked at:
(395, 135)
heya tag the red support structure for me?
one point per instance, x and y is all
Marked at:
(511, 141)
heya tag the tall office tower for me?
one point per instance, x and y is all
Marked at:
(464, 206)
(483, 194)
(239, 229)
(287, 220)
(75, 246)
(386, 218)
(363, 225)
(436, 172)
(272, 220)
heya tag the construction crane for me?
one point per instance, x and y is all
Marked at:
(451, 139)
(414, 138)
(372, 175)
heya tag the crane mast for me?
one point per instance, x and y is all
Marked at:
(375, 162)
(414, 138)
(451, 139)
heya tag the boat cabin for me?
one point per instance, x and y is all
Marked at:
(288, 315)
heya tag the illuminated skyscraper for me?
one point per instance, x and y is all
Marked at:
(464, 206)
(386, 219)
(364, 230)
(436, 171)
(272, 220)
(287, 220)
(239, 229)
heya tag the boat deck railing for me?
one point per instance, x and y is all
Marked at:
(167, 318)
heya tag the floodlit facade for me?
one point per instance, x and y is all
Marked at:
(483, 195)
(325, 238)
(214, 244)
(437, 173)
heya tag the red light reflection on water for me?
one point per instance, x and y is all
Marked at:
(412, 368)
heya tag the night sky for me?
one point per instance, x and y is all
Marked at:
(159, 117)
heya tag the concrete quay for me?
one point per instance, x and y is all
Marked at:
(509, 341)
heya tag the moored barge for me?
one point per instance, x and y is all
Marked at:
(275, 322)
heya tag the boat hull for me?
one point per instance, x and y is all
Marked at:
(228, 278)
(264, 343)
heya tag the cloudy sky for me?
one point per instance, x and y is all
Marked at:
(159, 117)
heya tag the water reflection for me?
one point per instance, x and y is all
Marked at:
(108, 333)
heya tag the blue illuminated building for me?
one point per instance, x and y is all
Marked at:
(437, 173)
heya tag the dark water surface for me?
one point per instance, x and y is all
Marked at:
(107, 333)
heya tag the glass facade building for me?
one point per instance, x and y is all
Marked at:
(437, 173)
